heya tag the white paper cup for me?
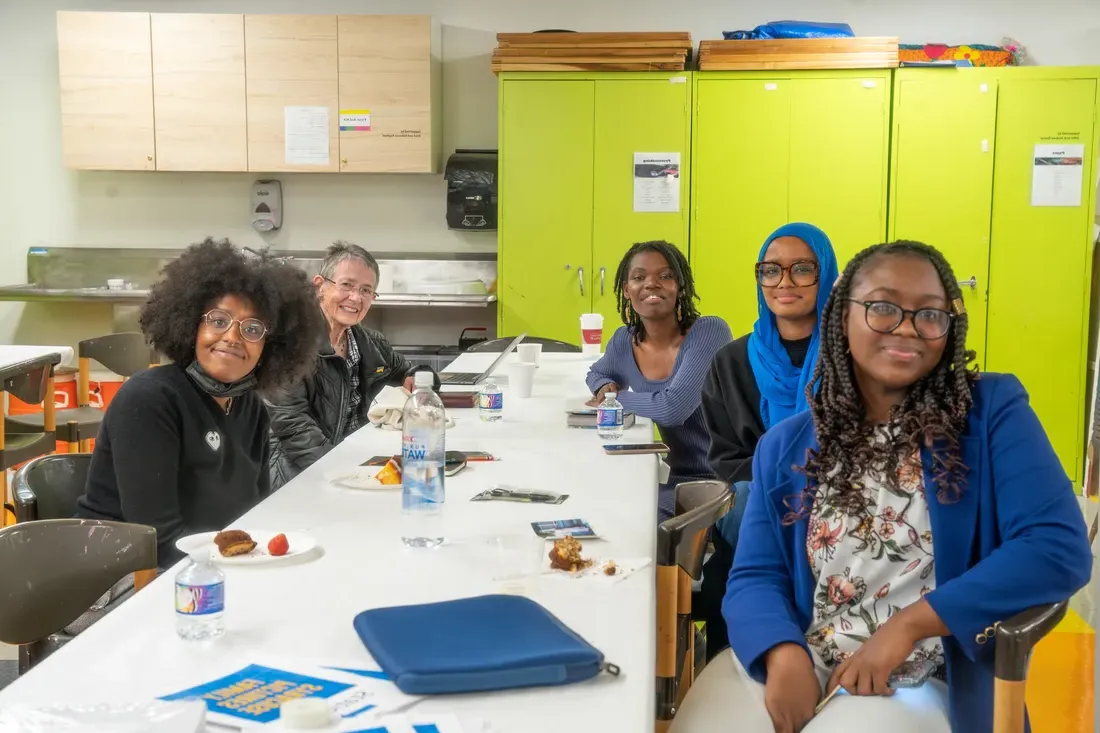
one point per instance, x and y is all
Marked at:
(591, 332)
(521, 379)
(529, 353)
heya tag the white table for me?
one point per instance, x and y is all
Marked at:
(11, 355)
(305, 611)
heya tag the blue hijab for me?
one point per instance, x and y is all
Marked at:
(782, 385)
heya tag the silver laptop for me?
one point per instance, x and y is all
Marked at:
(472, 378)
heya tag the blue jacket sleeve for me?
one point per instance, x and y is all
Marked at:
(1044, 555)
(759, 606)
(683, 394)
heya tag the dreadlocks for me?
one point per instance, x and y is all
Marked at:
(933, 414)
(686, 312)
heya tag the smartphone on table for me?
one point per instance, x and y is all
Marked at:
(635, 449)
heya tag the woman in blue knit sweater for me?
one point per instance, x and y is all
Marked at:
(658, 361)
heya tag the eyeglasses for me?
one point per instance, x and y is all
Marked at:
(252, 329)
(804, 273)
(885, 317)
(366, 292)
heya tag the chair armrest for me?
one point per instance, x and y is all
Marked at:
(1019, 635)
(25, 503)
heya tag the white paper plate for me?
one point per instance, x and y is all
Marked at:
(299, 543)
(361, 478)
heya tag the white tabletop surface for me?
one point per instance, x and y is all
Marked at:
(10, 355)
(305, 611)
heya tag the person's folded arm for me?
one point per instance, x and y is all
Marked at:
(145, 455)
(1044, 556)
(729, 459)
(683, 392)
(292, 423)
(606, 370)
(759, 606)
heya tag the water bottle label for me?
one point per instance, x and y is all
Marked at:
(609, 418)
(491, 401)
(200, 600)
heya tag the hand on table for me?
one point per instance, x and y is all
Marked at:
(409, 384)
(598, 397)
(792, 690)
(867, 672)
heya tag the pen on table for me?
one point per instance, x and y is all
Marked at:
(826, 699)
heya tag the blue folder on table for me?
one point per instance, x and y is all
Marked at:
(494, 642)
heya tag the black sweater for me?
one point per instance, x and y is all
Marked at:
(168, 456)
(731, 407)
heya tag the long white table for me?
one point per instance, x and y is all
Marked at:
(305, 611)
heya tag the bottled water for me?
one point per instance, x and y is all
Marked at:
(490, 402)
(423, 431)
(609, 417)
(200, 599)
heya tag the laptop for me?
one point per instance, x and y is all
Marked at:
(472, 378)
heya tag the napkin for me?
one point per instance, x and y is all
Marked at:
(386, 410)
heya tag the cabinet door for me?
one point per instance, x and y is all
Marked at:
(199, 92)
(106, 83)
(944, 128)
(1039, 268)
(636, 117)
(546, 203)
(739, 189)
(839, 153)
(290, 64)
(385, 73)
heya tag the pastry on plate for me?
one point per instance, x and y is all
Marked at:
(566, 555)
(234, 542)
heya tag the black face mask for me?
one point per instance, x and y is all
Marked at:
(214, 388)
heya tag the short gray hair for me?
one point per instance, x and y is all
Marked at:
(340, 251)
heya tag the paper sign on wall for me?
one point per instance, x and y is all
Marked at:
(657, 182)
(1057, 174)
(306, 135)
(355, 120)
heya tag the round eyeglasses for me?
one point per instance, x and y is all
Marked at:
(885, 317)
(218, 321)
(803, 273)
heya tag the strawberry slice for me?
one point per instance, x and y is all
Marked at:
(278, 545)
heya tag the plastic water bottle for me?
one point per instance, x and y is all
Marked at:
(422, 465)
(200, 599)
(490, 402)
(609, 417)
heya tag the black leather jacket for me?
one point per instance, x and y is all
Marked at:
(308, 419)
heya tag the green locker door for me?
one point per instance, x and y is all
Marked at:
(546, 196)
(739, 188)
(944, 130)
(635, 116)
(838, 158)
(1039, 269)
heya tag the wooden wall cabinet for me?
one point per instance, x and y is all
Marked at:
(106, 83)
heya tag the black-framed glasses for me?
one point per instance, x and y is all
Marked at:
(803, 273)
(366, 292)
(218, 321)
(885, 317)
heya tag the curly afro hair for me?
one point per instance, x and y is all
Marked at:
(283, 296)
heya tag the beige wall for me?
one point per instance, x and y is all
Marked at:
(41, 203)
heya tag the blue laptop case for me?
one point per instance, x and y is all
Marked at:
(476, 644)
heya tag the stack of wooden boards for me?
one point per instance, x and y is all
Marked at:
(594, 52)
(799, 53)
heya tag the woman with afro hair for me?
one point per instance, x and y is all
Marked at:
(184, 447)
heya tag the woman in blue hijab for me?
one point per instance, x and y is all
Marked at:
(760, 379)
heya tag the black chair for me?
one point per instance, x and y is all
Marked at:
(681, 543)
(52, 571)
(549, 346)
(125, 354)
(48, 486)
(1016, 639)
(30, 381)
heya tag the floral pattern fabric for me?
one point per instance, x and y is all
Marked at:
(872, 556)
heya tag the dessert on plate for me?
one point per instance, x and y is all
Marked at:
(566, 555)
(233, 542)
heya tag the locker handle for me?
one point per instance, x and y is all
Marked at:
(603, 273)
(972, 283)
(580, 278)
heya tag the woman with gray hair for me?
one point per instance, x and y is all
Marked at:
(353, 366)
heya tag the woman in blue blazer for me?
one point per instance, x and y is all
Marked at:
(891, 528)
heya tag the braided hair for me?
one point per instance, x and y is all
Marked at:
(932, 415)
(686, 312)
